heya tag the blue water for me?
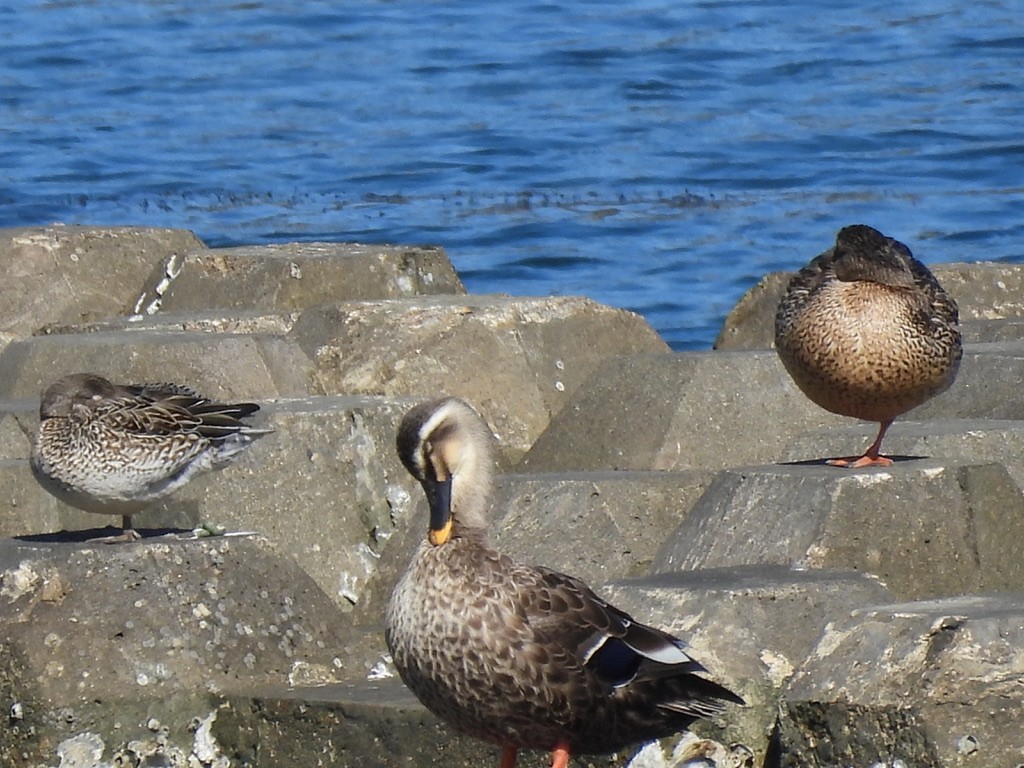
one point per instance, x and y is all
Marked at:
(654, 156)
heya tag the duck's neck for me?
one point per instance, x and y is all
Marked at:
(471, 498)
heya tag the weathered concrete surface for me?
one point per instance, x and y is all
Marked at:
(62, 274)
(955, 665)
(896, 523)
(25, 508)
(751, 323)
(328, 490)
(983, 291)
(698, 410)
(345, 726)
(515, 359)
(986, 387)
(295, 276)
(382, 724)
(327, 487)
(251, 321)
(615, 522)
(988, 331)
(220, 365)
(18, 422)
(104, 639)
(811, 734)
(975, 440)
(750, 626)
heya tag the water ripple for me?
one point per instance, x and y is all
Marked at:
(656, 157)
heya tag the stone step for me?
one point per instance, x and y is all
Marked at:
(225, 366)
(978, 440)
(931, 683)
(137, 642)
(293, 276)
(691, 410)
(925, 527)
(714, 410)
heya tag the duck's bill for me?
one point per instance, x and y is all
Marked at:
(439, 497)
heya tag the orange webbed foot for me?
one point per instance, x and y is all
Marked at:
(856, 462)
(560, 756)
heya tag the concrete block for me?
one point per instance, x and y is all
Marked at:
(326, 488)
(985, 388)
(62, 274)
(692, 410)
(988, 331)
(750, 324)
(595, 525)
(293, 276)
(897, 523)
(750, 626)
(127, 643)
(811, 734)
(516, 359)
(220, 365)
(19, 420)
(950, 669)
(25, 508)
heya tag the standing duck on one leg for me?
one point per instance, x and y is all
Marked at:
(518, 655)
(865, 330)
(114, 449)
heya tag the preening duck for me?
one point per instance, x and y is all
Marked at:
(518, 655)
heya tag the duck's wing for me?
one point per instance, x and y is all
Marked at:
(807, 279)
(942, 308)
(613, 648)
(174, 413)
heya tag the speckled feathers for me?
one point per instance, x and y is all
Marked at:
(113, 449)
(519, 655)
(865, 329)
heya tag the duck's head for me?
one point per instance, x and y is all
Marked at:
(77, 389)
(864, 253)
(446, 445)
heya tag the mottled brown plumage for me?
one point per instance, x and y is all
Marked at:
(518, 655)
(115, 448)
(865, 330)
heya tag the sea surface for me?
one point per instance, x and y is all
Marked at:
(657, 156)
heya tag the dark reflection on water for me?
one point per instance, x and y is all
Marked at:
(653, 156)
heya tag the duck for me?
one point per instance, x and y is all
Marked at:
(521, 656)
(114, 449)
(865, 330)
